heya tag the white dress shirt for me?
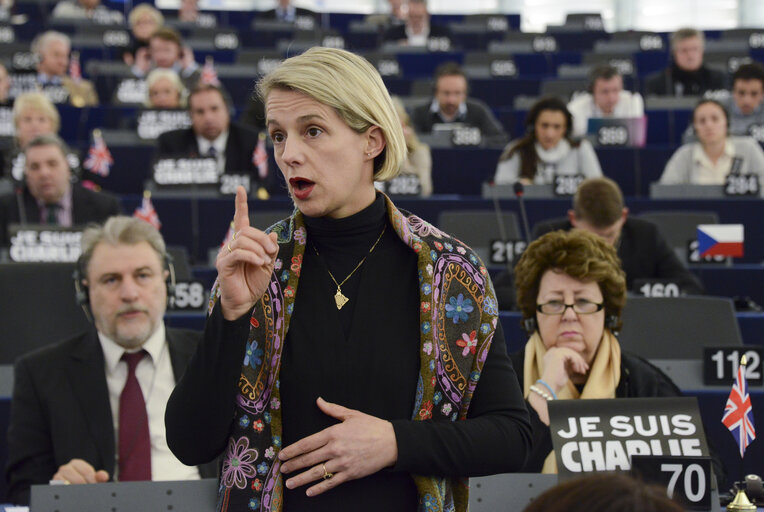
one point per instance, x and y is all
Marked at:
(219, 144)
(156, 378)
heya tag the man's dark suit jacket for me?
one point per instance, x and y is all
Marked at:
(696, 83)
(478, 115)
(270, 14)
(398, 33)
(87, 206)
(238, 150)
(61, 410)
(644, 254)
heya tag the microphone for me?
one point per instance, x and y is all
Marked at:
(19, 192)
(500, 222)
(519, 193)
(737, 164)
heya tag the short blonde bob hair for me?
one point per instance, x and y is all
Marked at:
(142, 9)
(581, 255)
(350, 85)
(37, 101)
(158, 74)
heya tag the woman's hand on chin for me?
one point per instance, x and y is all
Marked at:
(245, 264)
(560, 364)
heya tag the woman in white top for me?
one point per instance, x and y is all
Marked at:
(547, 149)
(710, 160)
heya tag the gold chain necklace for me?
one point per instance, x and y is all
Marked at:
(339, 298)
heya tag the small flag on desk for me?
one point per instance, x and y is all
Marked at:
(99, 160)
(209, 75)
(738, 413)
(75, 70)
(147, 212)
(720, 240)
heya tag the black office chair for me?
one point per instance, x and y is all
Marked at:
(37, 307)
(478, 228)
(678, 327)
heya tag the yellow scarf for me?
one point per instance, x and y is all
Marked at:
(604, 375)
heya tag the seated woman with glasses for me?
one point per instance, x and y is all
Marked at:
(571, 290)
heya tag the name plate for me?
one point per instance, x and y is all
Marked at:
(388, 67)
(186, 171)
(565, 185)
(686, 479)
(266, 65)
(7, 127)
(466, 136)
(304, 22)
(230, 182)
(694, 257)
(23, 61)
(153, 123)
(497, 24)
(503, 68)
(657, 288)
(334, 42)
(189, 296)
(402, 185)
(756, 40)
(650, 42)
(741, 185)
(603, 435)
(106, 17)
(43, 245)
(506, 251)
(7, 35)
(438, 44)
(757, 132)
(116, 38)
(132, 90)
(720, 365)
(226, 41)
(543, 44)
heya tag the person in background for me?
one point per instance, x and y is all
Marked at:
(418, 158)
(91, 409)
(745, 110)
(287, 12)
(165, 90)
(52, 50)
(598, 207)
(605, 98)
(450, 106)
(417, 30)
(571, 291)
(5, 87)
(33, 114)
(710, 160)
(610, 492)
(166, 51)
(87, 10)
(548, 149)
(49, 196)
(323, 342)
(144, 20)
(687, 75)
(396, 14)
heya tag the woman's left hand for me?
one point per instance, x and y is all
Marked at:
(357, 447)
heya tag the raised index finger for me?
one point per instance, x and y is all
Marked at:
(241, 215)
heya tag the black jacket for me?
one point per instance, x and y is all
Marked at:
(61, 410)
(87, 206)
(672, 81)
(398, 33)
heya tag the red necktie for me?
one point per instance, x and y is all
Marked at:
(134, 440)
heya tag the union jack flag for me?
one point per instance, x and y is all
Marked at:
(260, 157)
(75, 71)
(99, 160)
(209, 75)
(147, 212)
(738, 413)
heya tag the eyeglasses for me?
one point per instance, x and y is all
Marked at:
(581, 307)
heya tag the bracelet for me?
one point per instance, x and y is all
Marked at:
(554, 395)
(544, 394)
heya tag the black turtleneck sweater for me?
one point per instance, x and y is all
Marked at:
(364, 357)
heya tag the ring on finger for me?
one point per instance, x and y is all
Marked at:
(233, 237)
(327, 475)
(229, 248)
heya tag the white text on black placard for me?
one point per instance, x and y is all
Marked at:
(40, 245)
(189, 296)
(566, 184)
(686, 479)
(506, 251)
(741, 185)
(657, 288)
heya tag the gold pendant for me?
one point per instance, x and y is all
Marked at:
(340, 299)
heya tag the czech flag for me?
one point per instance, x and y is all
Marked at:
(720, 240)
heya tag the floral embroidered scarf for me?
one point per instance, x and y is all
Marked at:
(458, 315)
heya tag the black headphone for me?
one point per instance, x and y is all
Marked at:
(530, 325)
(82, 293)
